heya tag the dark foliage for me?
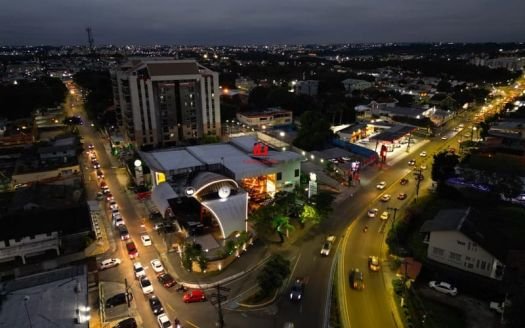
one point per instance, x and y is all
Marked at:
(19, 101)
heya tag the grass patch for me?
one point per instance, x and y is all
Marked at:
(258, 298)
(335, 316)
(442, 316)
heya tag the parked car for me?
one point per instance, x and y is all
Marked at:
(164, 321)
(443, 287)
(155, 305)
(127, 323)
(138, 269)
(297, 290)
(402, 195)
(356, 279)
(91, 146)
(195, 295)
(327, 245)
(113, 205)
(123, 232)
(403, 181)
(385, 198)
(145, 285)
(381, 185)
(146, 240)
(166, 280)
(100, 174)
(117, 299)
(109, 263)
(100, 196)
(372, 212)
(156, 264)
(119, 221)
(373, 263)
(385, 215)
(96, 165)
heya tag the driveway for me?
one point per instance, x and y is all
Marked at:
(477, 312)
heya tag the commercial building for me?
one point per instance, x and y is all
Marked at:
(214, 181)
(266, 119)
(455, 239)
(162, 102)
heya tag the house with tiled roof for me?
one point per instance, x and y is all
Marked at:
(454, 239)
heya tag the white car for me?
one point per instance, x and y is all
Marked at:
(119, 221)
(423, 167)
(145, 285)
(146, 240)
(385, 198)
(327, 245)
(372, 212)
(156, 264)
(443, 287)
(381, 185)
(164, 321)
(385, 215)
(109, 263)
(444, 138)
(113, 205)
(423, 154)
(139, 270)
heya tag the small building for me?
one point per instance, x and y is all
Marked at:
(308, 87)
(55, 162)
(454, 239)
(266, 119)
(356, 84)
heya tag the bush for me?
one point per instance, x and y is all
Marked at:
(273, 275)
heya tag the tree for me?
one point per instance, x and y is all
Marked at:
(314, 132)
(510, 186)
(258, 97)
(273, 274)
(282, 226)
(444, 166)
(309, 213)
(444, 86)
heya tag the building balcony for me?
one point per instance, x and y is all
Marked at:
(29, 248)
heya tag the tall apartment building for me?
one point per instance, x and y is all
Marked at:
(160, 102)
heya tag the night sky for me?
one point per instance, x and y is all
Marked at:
(203, 22)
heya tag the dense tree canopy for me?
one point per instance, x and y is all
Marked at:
(20, 100)
(444, 166)
(100, 94)
(314, 132)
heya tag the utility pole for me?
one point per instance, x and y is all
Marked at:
(217, 298)
(419, 177)
(128, 299)
(395, 212)
(408, 143)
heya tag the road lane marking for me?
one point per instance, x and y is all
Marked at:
(192, 324)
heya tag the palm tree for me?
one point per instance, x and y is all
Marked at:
(282, 225)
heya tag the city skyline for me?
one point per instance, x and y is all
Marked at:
(235, 22)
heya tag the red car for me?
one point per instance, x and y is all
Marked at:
(195, 295)
(132, 249)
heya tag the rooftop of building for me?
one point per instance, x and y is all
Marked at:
(66, 220)
(269, 111)
(236, 156)
(396, 132)
(50, 299)
(464, 221)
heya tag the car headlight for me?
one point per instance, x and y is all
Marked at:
(299, 297)
(291, 295)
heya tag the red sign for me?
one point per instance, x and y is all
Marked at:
(260, 149)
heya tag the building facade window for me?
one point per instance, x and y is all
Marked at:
(296, 173)
(279, 176)
(438, 251)
(454, 256)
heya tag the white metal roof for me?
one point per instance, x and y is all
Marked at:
(160, 196)
(231, 213)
